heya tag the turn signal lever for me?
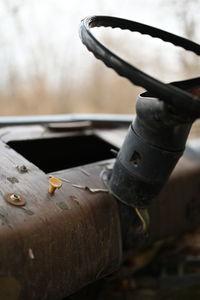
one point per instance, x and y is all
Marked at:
(165, 113)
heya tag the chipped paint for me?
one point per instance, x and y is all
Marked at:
(92, 190)
(13, 179)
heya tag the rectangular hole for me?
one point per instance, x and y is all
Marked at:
(55, 154)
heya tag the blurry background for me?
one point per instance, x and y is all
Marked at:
(45, 69)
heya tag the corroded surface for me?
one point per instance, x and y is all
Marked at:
(57, 243)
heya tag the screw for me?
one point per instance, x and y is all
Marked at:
(22, 169)
(15, 199)
(54, 183)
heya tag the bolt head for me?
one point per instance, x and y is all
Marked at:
(15, 199)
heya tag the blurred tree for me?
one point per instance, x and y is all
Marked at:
(187, 12)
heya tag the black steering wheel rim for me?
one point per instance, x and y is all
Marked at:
(185, 102)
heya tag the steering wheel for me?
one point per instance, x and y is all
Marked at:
(183, 101)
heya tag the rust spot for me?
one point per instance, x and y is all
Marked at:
(13, 179)
(9, 288)
(62, 205)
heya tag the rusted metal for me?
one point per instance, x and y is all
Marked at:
(177, 209)
(59, 251)
(53, 246)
